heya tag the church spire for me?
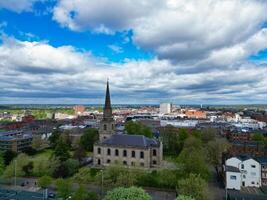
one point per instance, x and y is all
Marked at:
(107, 107)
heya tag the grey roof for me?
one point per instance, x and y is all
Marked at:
(262, 160)
(231, 169)
(129, 140)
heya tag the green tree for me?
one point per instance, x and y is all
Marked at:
(182, 197)
(9, 156)
(64, 188)
(192, 158)
(208, 134)
(170, 139)
(215, 149)
(21, 161)
(53, 139)
(38, 143)
(2, 164)
(137, 128)
(72, 166)
(79, 153)
(88, 139)
(193, 186)
(258, 137)
(62, 150)
(44, 181)
(132, 193)
(28, 168)
(82, 194)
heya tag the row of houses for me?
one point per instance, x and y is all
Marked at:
(245, 171)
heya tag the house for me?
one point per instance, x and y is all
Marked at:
(263, 163)
(250, 172)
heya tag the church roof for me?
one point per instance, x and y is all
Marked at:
(130, 141)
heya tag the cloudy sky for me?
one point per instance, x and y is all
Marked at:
(184, 51)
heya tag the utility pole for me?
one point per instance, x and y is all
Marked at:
(102, 180)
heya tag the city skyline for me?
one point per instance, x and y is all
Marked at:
(185, 52)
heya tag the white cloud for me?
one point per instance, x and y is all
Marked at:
(178, 30)
(17, 5)
(37, 71)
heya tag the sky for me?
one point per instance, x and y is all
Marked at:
(180, 51)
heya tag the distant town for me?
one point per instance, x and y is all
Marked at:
(165, 149)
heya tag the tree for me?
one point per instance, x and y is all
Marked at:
(38, 143)
(21, 161)
(8, 156)
(44, 181)
(2, 164)
(82, 194)
(28, 168)
(137, 128)
(193, 186)
(192, 158)
(62, 150)
(215, 149)
(131, 193)
(64, 188)
(79, 153)
(53, 139)
(208, 134)
(88, 139)
(72, 166)
(182, 197)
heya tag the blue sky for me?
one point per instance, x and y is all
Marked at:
(187, 52)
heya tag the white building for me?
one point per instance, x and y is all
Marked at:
(179, 123)
(249, 175)
(165, 108)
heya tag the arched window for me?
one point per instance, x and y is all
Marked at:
(141, 154)
(99, 162)
(124, 153)
(133, 154)
(154, 152)
(99, 150)
(108, 152)
(154, 162)
(125, 162)
(116, 152)
(108, 161)
(105, 127)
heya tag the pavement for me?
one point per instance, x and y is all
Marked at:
(20, 195)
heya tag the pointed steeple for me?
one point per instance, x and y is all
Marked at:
(107, 107)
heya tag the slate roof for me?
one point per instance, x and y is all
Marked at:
(262, 160)
(130, 141)
(232, 169)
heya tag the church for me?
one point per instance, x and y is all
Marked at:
(129, 150)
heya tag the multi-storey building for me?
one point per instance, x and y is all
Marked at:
(129, 150)
(263, 163)
(242, 172)
(15, 141)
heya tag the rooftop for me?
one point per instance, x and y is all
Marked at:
(129, 140)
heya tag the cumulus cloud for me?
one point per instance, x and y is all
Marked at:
(17, 6)
(176, 30)
(37, 71)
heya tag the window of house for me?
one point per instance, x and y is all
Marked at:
(124, 153)
(242, 166)
(154, 152)
(108, 161)
(112, 126)
(133, 154)
(141, 154)
(253, 173)
(244, 176)
(99, 150)
(154, 162)
(116, 152)
(125, 162)
(252, 182)
(105, 127)
(142, 164)
(99, 162)
(108, 152)
(133, 163)
(232, 177)
(253, 166)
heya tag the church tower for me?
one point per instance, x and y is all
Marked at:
(107, 124)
